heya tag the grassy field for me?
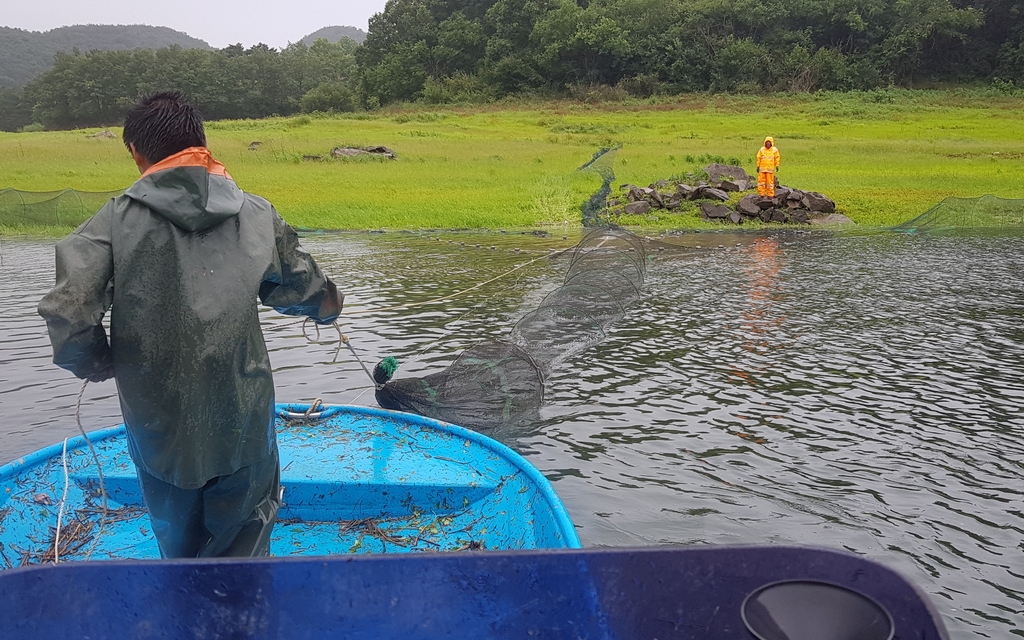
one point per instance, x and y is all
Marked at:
(883, 156)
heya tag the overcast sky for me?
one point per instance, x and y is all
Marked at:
(219, 22)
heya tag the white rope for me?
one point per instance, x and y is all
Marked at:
(63, 500)
(99, 471)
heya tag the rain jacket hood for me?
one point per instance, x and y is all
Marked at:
(768, 159)
(190, 189)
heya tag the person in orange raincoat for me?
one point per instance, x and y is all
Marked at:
(767, 165)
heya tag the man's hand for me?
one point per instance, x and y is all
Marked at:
(105, 374)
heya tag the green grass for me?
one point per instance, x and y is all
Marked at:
(883, 156)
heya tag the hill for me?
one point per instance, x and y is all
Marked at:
(334, 34)
(26, 54)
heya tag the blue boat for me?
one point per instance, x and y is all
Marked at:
(356, 480)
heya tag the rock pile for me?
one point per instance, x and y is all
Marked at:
(640, 200)
(788, 206)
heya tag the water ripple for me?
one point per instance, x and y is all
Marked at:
(857, 392)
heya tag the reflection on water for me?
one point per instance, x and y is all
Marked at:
(851, 392)
(759, 316)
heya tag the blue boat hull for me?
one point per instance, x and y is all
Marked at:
(356, 480)
(663, 593)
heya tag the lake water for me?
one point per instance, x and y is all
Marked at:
(861, 392)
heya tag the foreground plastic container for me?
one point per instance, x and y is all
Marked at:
(663, 593)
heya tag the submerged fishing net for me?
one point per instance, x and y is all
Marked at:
(67, 208)
(957, 214)
(488, 385)
(501, 383)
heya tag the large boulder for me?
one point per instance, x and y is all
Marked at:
(818, 203)
(381, 151)
(733, 185)
(735, 218)
(713, 193)
(718, 172)
(711, 211)
(833, 219)
(351, 152)
(638, 208)
(800, 217)
(748, 205)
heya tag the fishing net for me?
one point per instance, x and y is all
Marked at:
(501, 383)
(957, 214)
(604, 277)
(490, 384)
(67, 208)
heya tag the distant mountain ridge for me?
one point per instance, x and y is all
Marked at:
(334, 34)
(26, 54)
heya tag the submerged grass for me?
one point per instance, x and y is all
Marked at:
(884, 156)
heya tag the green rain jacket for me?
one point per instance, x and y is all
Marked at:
(180, 259)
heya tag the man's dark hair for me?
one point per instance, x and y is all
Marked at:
(162, 124)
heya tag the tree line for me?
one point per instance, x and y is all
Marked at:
(477, 50)
(423, 48)
(97, 88)
(26, 54)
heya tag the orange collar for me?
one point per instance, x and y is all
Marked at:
(191, 157)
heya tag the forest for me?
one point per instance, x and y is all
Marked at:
(458, 51)
(26, 54)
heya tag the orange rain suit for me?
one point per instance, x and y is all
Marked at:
(767, 165)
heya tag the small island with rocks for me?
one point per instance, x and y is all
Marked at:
(788, 206)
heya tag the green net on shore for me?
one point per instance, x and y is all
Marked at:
(67, 208)
(959, 214)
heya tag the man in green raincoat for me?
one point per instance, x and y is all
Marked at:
(179, 261)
